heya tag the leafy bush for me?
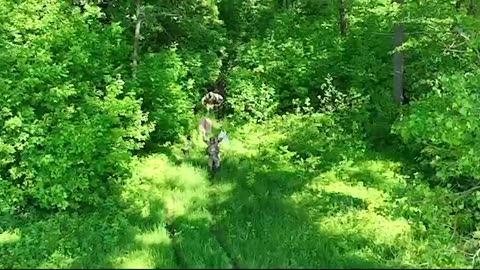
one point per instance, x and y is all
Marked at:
(303, 57)
(66, 129)
(159, 76)
(246, 19)
(319, 135)
(283, 64)
(202, 68)
(249, 97)
(445, 125)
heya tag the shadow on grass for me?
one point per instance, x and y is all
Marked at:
(104, 238)
(259, 227)
(334, 202)
(262, 226)
(266, 229)
(265, 225)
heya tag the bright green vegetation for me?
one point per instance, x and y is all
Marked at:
(324, 168)
(267, 208)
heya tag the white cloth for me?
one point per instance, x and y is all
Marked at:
(223, 135)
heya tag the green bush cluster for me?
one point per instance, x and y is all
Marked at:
(67, 125)
(168, 104)
(445, 125)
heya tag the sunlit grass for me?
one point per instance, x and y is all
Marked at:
(137, 259)
(274, 203)
(9, 237)
(183, 193)
(130, 236)
(281, 214)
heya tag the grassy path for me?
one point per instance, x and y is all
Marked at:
(267, 228)
(272, 210)
(268, 207)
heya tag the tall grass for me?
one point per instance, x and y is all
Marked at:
(295, 192)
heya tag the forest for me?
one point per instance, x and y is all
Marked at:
(352, 134)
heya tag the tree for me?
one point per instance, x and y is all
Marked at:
(136, 38)
(68, 125)
(398, 76)
(342, 18)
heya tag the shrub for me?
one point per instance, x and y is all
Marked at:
(66, 130)
(445, 125)
(169, 107)
(249, 97)
(316, 134)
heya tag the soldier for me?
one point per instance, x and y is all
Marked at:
(218, 87)
(212, 101)
(213, 149)
(205, 126)
(187, 146)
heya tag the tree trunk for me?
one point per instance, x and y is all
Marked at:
(342, 18)
(136, 38)
(398, 83)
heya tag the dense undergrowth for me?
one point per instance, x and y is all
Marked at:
(283, 198)
(323, 169)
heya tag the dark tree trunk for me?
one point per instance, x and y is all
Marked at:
(398, 62)
(136, 38)
(342, 18)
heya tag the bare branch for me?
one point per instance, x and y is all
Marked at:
(468, 191)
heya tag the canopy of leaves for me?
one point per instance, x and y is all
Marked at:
(74, 109)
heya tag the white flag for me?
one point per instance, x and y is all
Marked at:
(223, 135)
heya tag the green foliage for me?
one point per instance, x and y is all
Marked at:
(66, 129)
(246, 19)
(194, 23)
(126, 232)
(303, 57)
(361, 208)
(192, 26)
(441, 43)
(202, 69)
(65, 240)
(316, 135)
(277, 191)
(170, 109)
(71, 113)
(180, 196)
(249, 97)
(285, 63)
(445, 124)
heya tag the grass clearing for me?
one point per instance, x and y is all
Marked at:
(157, 196)
(351, 213)
(101, 239)
(275, 203)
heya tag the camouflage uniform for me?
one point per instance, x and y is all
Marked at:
(213, 150)
(212, 100)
